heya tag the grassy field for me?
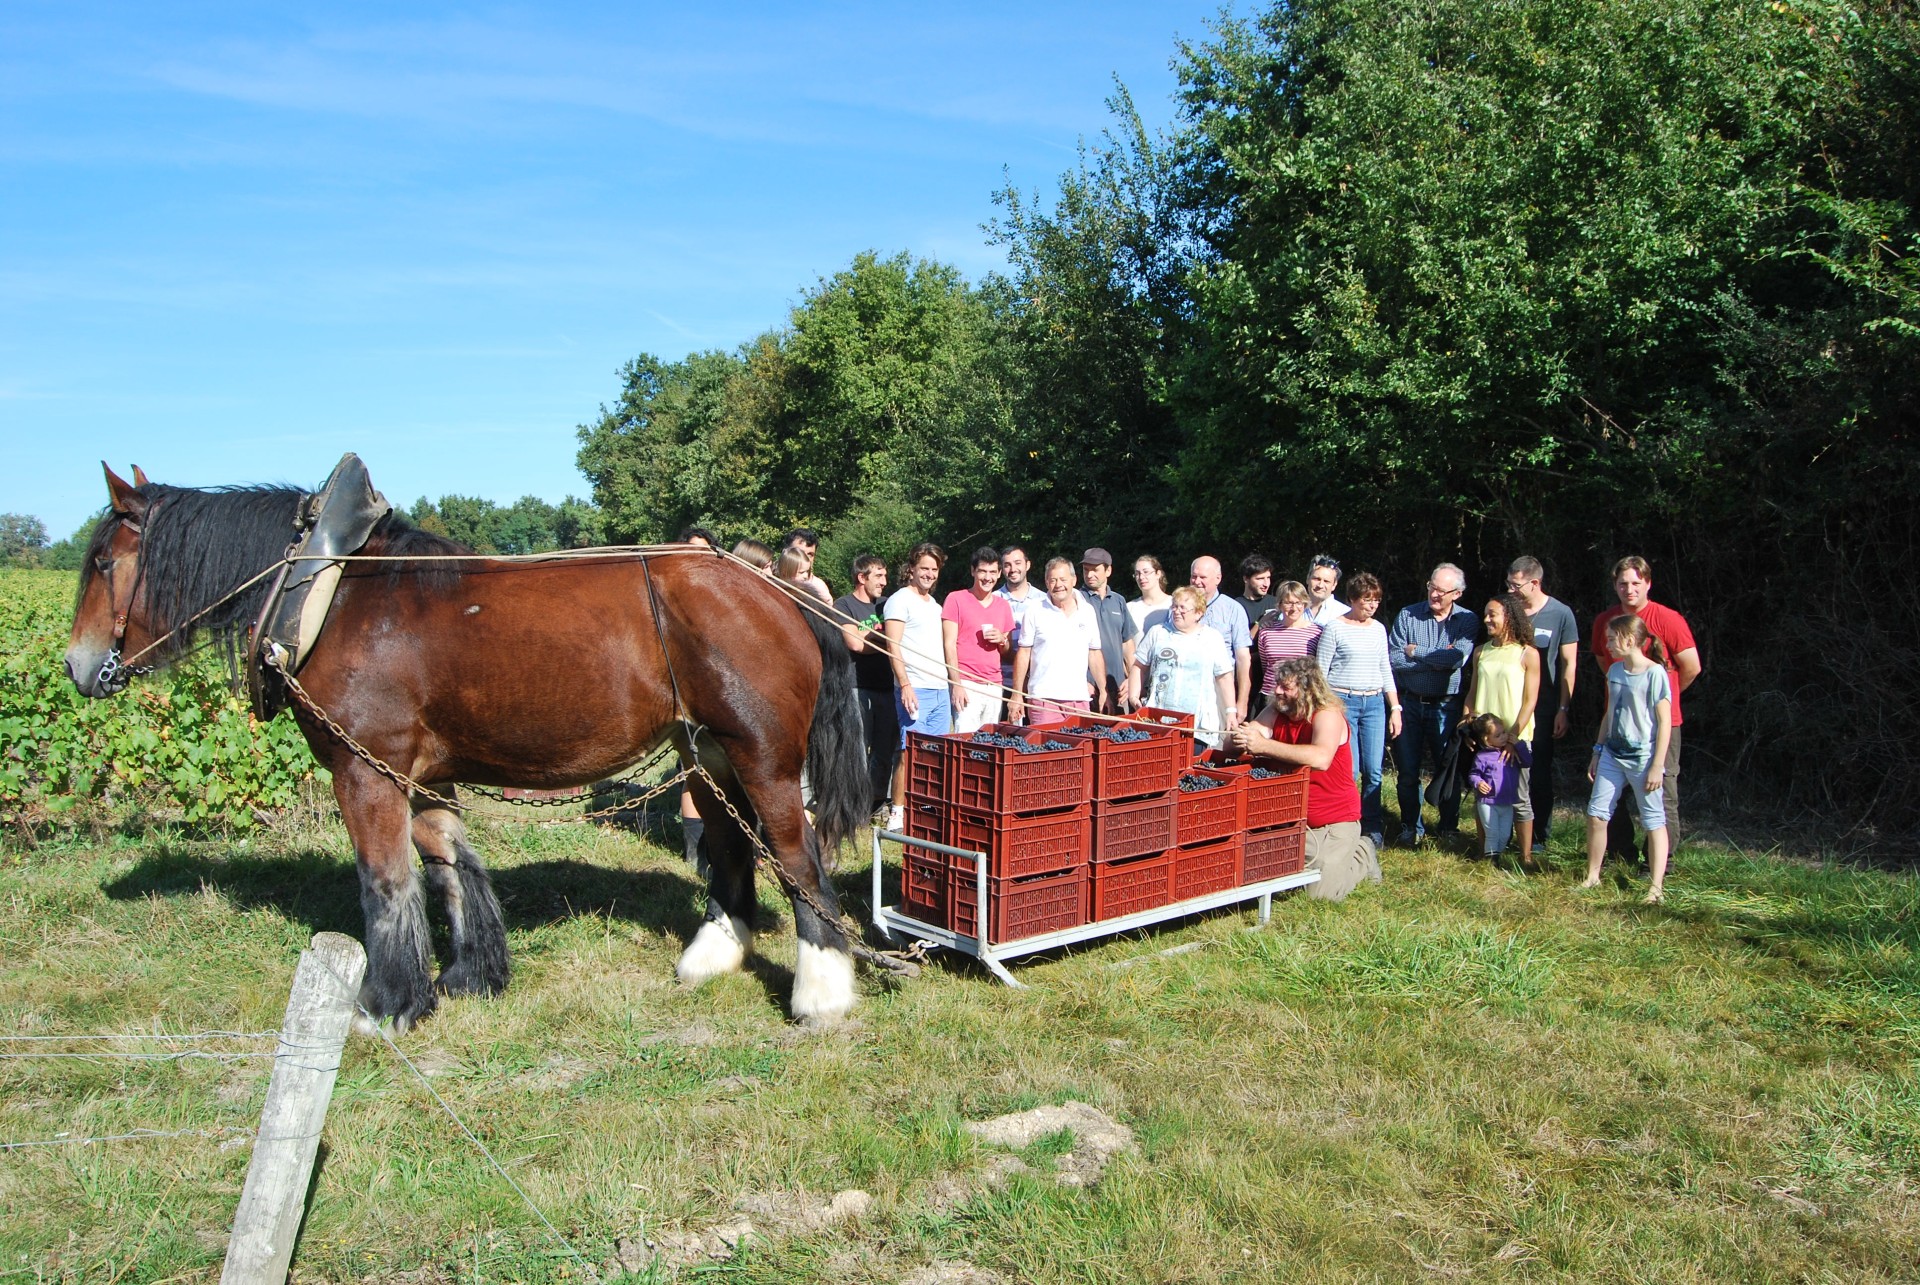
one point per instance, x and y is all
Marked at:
(1461, 1073)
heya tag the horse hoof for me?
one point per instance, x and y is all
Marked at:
(822, 985)
(463, 980)
(720, 946)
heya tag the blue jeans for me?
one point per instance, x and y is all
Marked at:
(1426, 723)
(1367, 715)
(1497, 820)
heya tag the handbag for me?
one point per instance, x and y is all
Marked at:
(1450, 776)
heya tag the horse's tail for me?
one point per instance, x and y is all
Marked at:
(836, 752)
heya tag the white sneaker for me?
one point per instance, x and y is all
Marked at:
(897, 819)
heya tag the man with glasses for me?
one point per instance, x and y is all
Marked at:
(1557, 636)
(1323, 577)
(1428, 648)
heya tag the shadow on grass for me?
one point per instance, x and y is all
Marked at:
(318, 889)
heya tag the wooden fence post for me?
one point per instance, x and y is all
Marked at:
(312, 1036)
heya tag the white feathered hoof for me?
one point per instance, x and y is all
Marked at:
(822, 985)
(720, 946)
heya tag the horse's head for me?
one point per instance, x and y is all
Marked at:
(112, 614)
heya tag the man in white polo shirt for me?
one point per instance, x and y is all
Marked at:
(1058, 665)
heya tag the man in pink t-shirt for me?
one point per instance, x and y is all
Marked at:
(1632, 581)
(977, 626)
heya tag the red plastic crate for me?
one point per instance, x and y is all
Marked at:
(1016, 908)
(1135, 768)
(1123, 887)
(1268, 854)
(927, 819)
(1016, 846)
(1277, 800)
(1122, 830)
(926, 887)
(1165, 718)
(1271, 801)
(927, 758)
(1207, 867)
(988, 778)
(1205, 816)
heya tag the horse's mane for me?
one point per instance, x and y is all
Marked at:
(198, 545)
(394, 536)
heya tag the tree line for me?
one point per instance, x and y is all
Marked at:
(528, 525)
(1411, 281)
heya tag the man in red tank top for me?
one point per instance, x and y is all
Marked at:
(1306, 726)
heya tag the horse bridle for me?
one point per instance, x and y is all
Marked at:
(111, 668)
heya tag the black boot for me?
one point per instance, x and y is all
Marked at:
(693, 833)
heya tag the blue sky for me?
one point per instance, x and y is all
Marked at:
(236, 241)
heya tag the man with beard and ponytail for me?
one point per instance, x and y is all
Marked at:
(1306, 726)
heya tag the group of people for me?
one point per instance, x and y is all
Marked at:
(1291, 673)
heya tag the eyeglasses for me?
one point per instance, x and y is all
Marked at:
(1326, 562)
(1444, 593)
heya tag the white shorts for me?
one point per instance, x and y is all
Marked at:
(983, 705)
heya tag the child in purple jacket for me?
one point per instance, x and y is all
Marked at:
(1498, 760)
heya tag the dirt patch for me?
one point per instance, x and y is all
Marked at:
(770, 1214)
(802, 1213)
(554, 1074)
(698, 1035)
(952, 1274)
(1097, 1138)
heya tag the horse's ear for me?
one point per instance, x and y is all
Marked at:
(139, 476)
(127, 501)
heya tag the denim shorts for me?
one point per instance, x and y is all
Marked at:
(936, 713)
(1611, 780)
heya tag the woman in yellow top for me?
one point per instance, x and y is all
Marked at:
(1506, 679)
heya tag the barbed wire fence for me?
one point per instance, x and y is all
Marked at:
(291, 1051)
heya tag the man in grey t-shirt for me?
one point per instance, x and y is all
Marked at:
(1557, 636)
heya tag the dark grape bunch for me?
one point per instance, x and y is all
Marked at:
(1118, 734)
(1001, 740)
(1264, 773)
(1192, 783)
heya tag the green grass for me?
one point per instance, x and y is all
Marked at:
(1457, 1073)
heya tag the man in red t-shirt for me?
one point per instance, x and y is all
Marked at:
(1305, 726)
(976, 626)
(1632, 581)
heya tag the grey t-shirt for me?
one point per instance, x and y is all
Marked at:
(1553, 628)
(1635, 716)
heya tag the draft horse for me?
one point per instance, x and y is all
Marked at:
(533, 674)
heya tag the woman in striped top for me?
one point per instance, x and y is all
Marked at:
(1285, 633)
(1353, 651)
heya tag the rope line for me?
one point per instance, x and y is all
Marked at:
(136, 1135)
(806, 601)
(161, 1037)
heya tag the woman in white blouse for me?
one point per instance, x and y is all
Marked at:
(1352, 650)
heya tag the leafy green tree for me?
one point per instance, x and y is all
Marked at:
(528, 525)
(1089, 322)
(68, 554)
(22, 539)
(1465, 257)
(687, 443)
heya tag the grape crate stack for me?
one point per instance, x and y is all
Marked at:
(1086, 821)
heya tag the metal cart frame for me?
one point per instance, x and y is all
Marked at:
(890, 921)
